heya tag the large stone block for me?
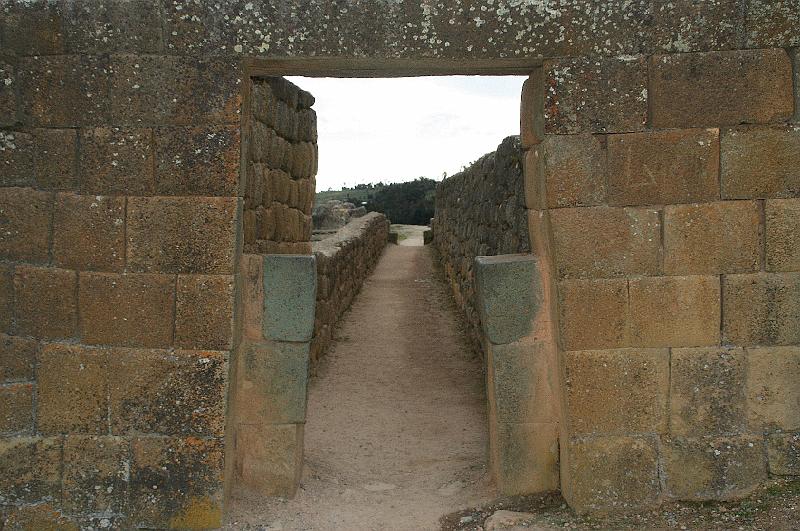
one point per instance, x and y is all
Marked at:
(707, 391)
(509, 295)
(72, 395)
(520, 377)
(33, 28)
(663, 167)
(607, 95)
(761, 309)
(709, 468)
(760, 162)
(117, 160)
(45, 302)
(617, 391)
(270, 458)
(531, 110)
(593, 313)
(612, 474)
(527, 457)
(773, 23)
(117, 26)
(712, 238)
(574, 170)
(8, 95)
(127, 309)
(204, 312)
(290, 287)
(201, 161)
(599, 242)
(783, 453)
(675, 311)
(17, 358)
(6, 298)
(167, 392)
(89, 232)
(182, 234)
(30, 469)
(16, 157)
(782, 232)
(40, 516)
(273, 383)
(95, 474)
(720, 88)
(773, 393)
(56, 159)
(25, 224)
(16, 409)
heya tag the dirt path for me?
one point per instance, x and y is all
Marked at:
(396, 428)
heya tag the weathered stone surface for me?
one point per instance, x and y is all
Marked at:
(95, 478)
(127, 309)
(712, 238)
(204, 312)
(16, 409)
(72, 394)
(612, 473)
(602, 384)
(760, 162)
(532, 109)
(117, 160)
(32, 28)
(116, 26)
(720, 88)
(273, 383)
(56, 159)
(773, 23)
(608, 95)
(16, 158)
(675, 311)
(509, 295)
(45, 302)
(783, 453)
(30, 469)
(713, 468)
(663, 167)
(181, 235)
(25, 224)
(574, 170)
(528, 456)
(593, 313)
(6, 297)
(773, 396)
(167, 392)
(290, 286)
(8, 95)
(89, 232)
(39, 516)
(272, 458)
(598, 242)
(201, 161)
(17, 358)
(761, 309)
(782, 227)
(519, 389)
(707, 391)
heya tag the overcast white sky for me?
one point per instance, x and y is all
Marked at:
(399, 129)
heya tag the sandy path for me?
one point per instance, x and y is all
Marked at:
(396, 428)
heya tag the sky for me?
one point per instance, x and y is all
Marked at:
(398, 129)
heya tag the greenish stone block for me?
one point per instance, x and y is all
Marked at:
(279, 374)
(513, 382)
(290, 290)
(509, 294)
(528, 458)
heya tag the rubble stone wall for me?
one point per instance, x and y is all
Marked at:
(480, 212)
(344, 261)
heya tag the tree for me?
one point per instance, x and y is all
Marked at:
(409, 203)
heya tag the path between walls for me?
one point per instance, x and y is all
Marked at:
(396, 429)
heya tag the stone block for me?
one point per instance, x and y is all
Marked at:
(181, 234)
(532, 109)
(33, 28)
(45, 302)
(72, 395)
(290, 286)
(6, 298)
(773, 394)
(712, 238)
(612, 474)
(598, 242)
(663, 167)
(782, 232)
(117, 26)
(709, 468)
(773, 24)
(273, 383)
(675, 311)
(17, 358)
(25, 224)
(707, 391)
(720, 88)
(176, 483)
(117, 161)
(574, 170)
(127, 309)
(16, 158)
(89, 232)
(783, 454)
(509, 294)
(95, 474)
(204, 312)
(16, 408)
(202, 161)
(606, 95)
(252, 274)
(519, 377)
(593, 313)
(39, 516)
(527, 457)
(760, 162)
(167, 392)
(56, 159)
(30, 469)
(617, 391)
(761, 309)
(269, 458)
(8, 95)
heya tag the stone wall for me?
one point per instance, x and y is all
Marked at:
(344, 261)
(480, 212)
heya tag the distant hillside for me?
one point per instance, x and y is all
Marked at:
(409, 203)
(357, 195)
